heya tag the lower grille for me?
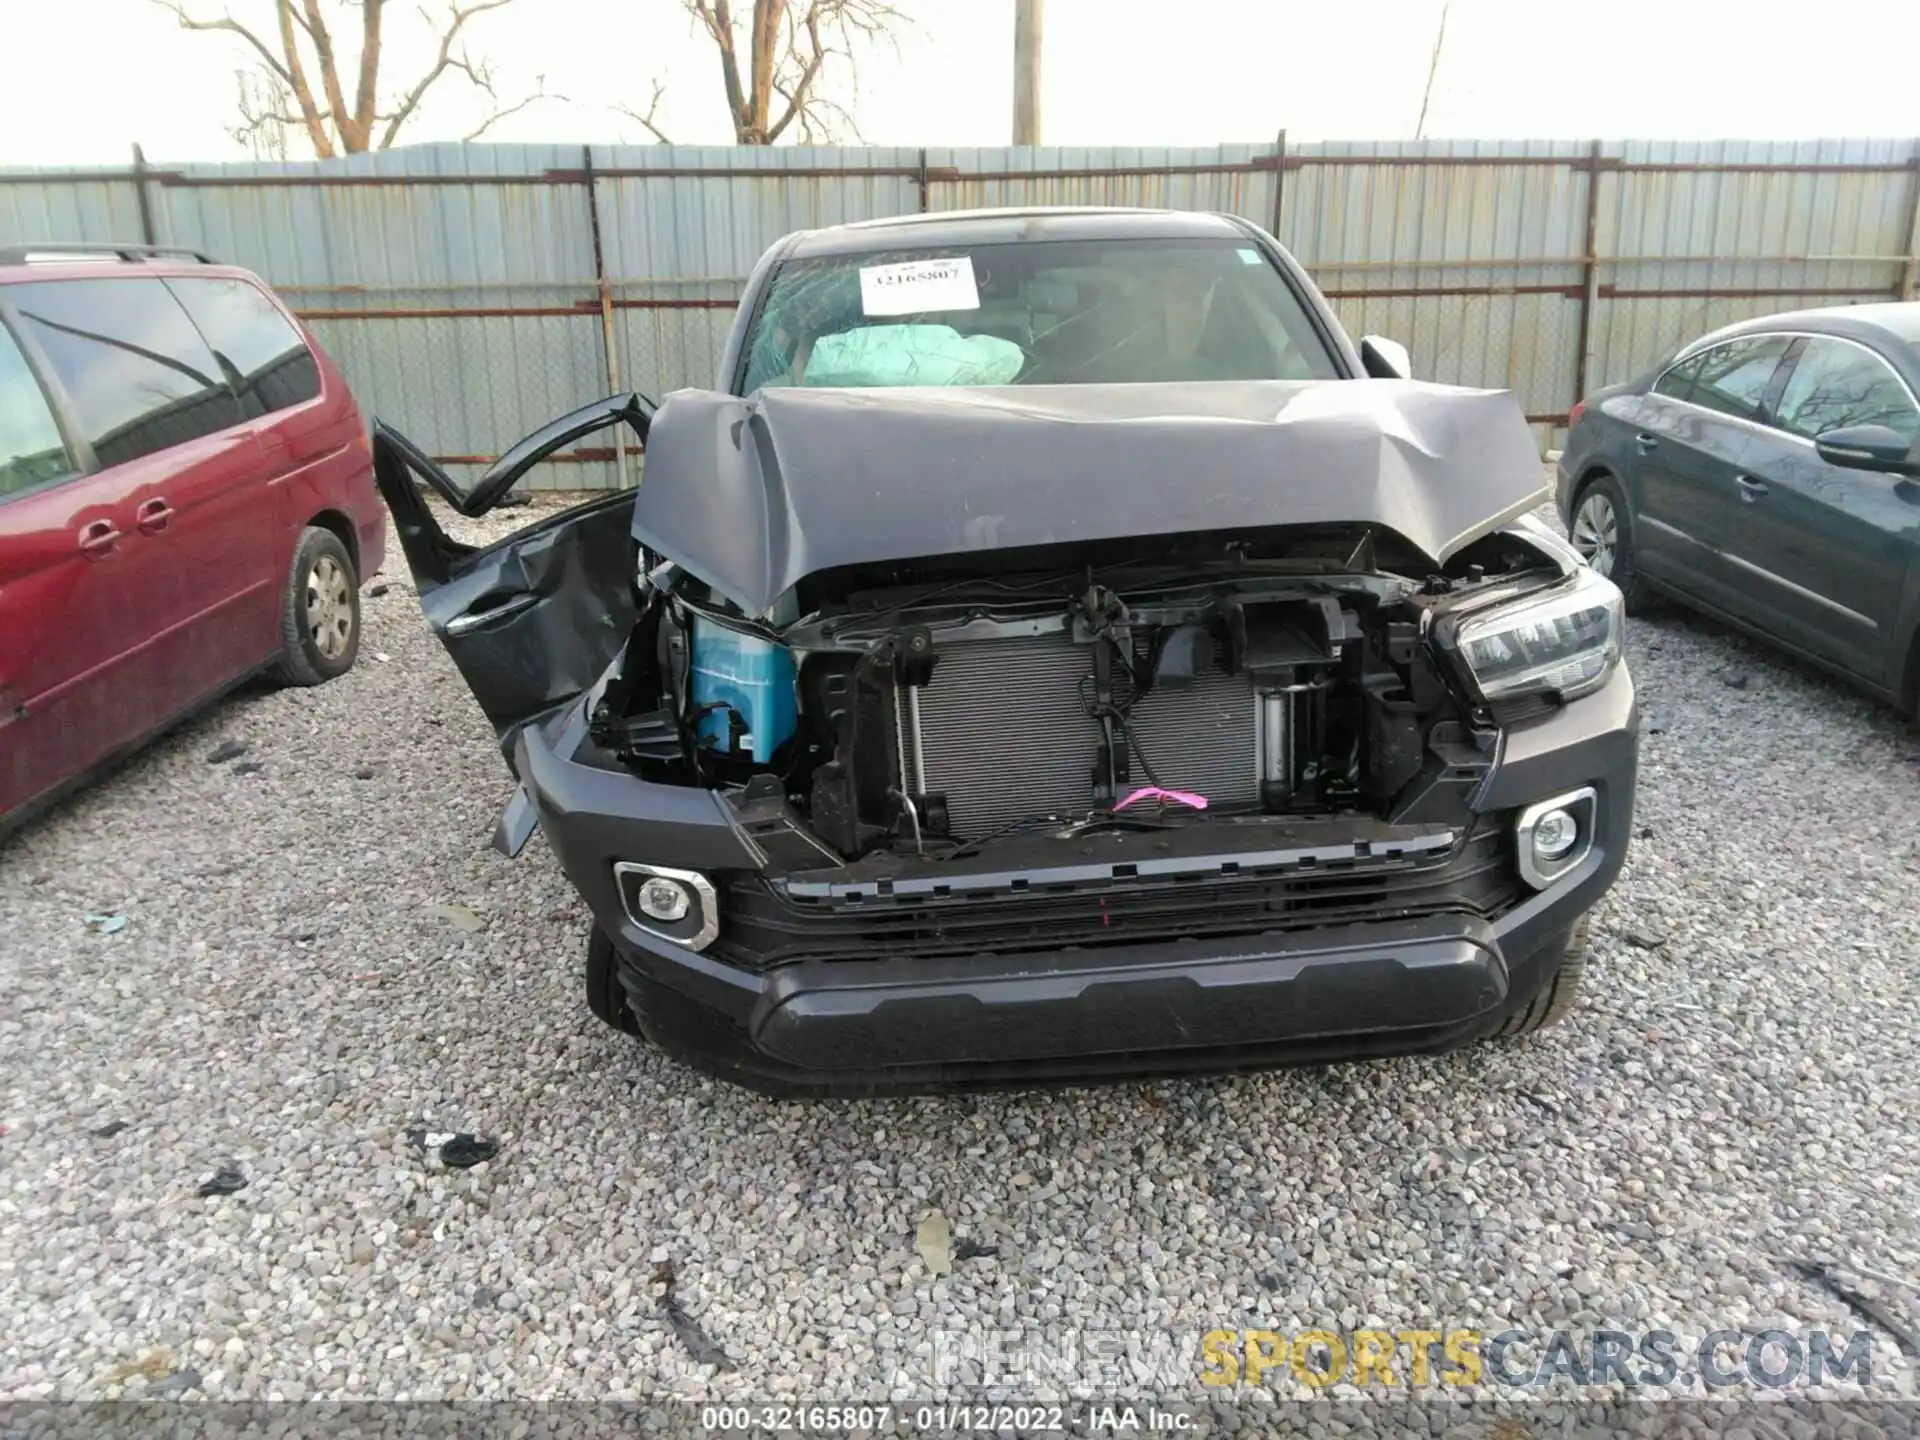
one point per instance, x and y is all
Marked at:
(1005, 734)
(765, 926)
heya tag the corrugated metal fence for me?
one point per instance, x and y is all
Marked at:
(472, 292)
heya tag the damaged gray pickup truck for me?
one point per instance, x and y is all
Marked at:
(1053, 652)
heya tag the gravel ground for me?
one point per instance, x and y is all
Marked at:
(285, 998)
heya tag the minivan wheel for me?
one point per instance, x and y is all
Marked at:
(1561, 992)
(320, 613)
(1602, 531)
(606, 997)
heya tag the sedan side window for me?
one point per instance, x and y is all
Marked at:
(1837, 383)
(1676, 383)
(31, 451)
(1734, 376)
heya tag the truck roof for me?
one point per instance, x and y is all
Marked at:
(942, 228)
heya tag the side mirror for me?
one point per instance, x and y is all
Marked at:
(1385, 359)
(1870, 447)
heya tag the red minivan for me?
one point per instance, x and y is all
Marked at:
(186, 500)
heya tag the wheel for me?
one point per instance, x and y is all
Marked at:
(605, 995)
(320, 615)
(1561, 992)
(1602, 531)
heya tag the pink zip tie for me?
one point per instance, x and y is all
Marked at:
(1154, 792)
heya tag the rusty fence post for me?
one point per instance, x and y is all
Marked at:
(1590, 277)
(608, 342)
(1279, 181)
(1910, 281)
(148, 234)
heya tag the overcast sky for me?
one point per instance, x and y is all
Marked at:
(87, 78)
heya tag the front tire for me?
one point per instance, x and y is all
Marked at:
(1602, 531)
(320, 612)
(1561, 992)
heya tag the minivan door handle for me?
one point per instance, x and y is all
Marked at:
(1750, 488)
(152, 516)
(98, 538)
(473, 619)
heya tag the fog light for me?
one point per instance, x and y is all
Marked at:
(676, 905)
(667, 900)
(1554, 834)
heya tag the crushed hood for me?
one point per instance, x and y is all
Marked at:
(753, 495)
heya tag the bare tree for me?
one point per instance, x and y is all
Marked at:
(650, 116)
(257, 97)
(1433, 69)
(776, 86)
(279, 95)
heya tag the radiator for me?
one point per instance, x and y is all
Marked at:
(1004, 734)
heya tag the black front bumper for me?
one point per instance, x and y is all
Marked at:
(923, 1022)
(843, 1016)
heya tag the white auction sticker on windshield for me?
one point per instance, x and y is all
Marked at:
(914, 287)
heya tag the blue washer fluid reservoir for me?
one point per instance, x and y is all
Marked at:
(752, 676)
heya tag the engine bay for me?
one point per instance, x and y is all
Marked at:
(932, 711)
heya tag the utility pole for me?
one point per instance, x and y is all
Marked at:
(1026, 71)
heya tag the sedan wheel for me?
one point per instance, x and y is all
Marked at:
(1596, 532)
(330, 615)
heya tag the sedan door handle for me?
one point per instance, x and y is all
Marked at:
(98, 538)
(152, 516)
(1645, 441)
(1750, 488)
(475, 619)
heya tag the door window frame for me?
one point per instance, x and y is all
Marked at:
(1767, 418)
(79, 446)
(1685, 395)
(1763, 408)
(287, 317)
(1791, 362)
(79, 451)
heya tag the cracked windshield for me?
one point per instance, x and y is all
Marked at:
(1039, 313)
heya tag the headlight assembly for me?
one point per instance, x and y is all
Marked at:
(1564, 642)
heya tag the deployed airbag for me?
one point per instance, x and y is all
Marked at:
(894, 355)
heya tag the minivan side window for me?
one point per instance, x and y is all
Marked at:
(1836, 383)
(32, 453)
(136, 372)
(264, 358)
(1734, 376)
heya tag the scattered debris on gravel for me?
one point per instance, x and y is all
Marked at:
(686, 1329)
(460, 917)
(227, 1180)
(1866, 1307)
(934, 1241)
(463, 1151)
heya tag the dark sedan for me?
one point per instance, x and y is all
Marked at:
(1769, 475)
